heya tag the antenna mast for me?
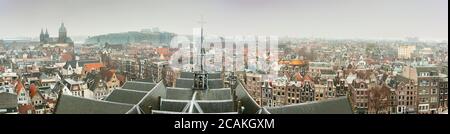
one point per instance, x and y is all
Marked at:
(202, 50)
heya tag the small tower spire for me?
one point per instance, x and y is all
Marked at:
(201, 77)
(41, 36)
(202, 50)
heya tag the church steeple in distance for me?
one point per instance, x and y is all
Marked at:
(41, 36)
(62, 33)
(46, 31)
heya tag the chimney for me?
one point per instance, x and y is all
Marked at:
(150, 109)
(159, 102)
(239, 104)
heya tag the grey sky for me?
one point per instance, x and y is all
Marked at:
(427, 19)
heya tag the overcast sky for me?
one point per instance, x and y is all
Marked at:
(427, 19)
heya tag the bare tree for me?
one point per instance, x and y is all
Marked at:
(378, 99)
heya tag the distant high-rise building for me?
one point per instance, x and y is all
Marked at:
(406, 51)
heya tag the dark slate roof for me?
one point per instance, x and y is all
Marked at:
(214, 100)
(191, 75)
(165, 112)
(214, 76)
(68, 104)
(186, 94)
(207, 106)
(139, 86)
(149, 79)
(135, 110)
(340, 105)
(250, 105)
(179, 93)
(151, 99)
(8, 100)
(187, 75)
(188, 83)
(215, 83)
(215, 94)
(184, 82)
(173, 105)
(220, 106)
(125, 96)
(142, 99)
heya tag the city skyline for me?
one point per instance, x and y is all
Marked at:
(369, 19)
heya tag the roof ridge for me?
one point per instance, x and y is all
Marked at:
(311, 102)
(99, 100)
(140, 82)
(131, 90)
(149, 92)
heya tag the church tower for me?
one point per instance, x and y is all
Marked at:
(46, 36)
(62, 34)
(201, 77)
(42, 36)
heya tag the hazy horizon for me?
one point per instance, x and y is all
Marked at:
(368, 19)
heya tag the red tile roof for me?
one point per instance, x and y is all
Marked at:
(298, 76)
(33, 90)
(92, 66)
(121, 78)
(308, 78)
(163, 51)
(66, 57)
(19, 86)
(23, 109)
(109, 74)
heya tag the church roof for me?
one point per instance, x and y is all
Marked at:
(250, 105)
(68, 104)
(340, 105)
(191, 75)
(188, 82)
(133, 98)
(138, 86)
(183, 99)
(126, 96)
